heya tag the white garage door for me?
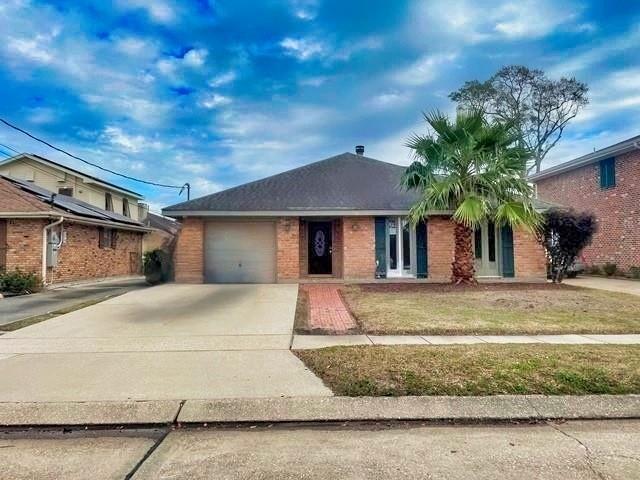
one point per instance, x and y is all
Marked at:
(240, 252)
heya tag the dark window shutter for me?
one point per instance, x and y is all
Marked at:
(608, 173)
(508, 266)
(381, 247)
(101, 237)
(422, 257)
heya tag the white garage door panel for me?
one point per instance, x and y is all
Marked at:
(240, 252)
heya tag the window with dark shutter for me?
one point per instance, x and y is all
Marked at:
(114, 238)
(608, 173)
(125, 208)
(107, 238)
(108, 202)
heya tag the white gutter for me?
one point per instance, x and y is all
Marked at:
(44, 246)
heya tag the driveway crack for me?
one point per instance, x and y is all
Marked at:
(149, 452)
(587, 450)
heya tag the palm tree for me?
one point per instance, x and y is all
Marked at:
(475, 169)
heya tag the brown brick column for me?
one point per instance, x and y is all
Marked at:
(528, 256)
(288, 240)
(358, 240)
(440, 248)
(189, 252)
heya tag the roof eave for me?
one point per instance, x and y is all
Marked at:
(612, 151)
(294, 213)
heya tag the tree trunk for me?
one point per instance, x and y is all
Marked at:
(463, 270)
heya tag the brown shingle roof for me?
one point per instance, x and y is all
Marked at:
(13, 199)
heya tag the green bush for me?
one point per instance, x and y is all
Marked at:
(609, 269)
(157, 265)
(19, 282)
(594, 270)
(634, 272)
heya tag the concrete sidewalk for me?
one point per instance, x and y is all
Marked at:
(602, 283)
(17, 308)
(303, 342)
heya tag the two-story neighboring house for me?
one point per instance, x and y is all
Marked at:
(607, 184)
(64, 225)
(64, 180)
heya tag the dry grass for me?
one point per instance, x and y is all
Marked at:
(491, 309)
(477, 369)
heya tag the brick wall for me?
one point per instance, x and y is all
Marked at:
(24, 245)
(528, 256)
(617, 209)
(288, 245)
(81, 258)
(440, 246)
(358, 237)
(189, 252)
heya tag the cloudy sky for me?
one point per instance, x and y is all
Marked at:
(218, 93)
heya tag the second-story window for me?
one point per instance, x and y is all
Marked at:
(108, 202)
(68, 191)
(608, 173)
(125, 208)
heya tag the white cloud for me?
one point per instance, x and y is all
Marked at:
(424, 70)
(390, 100)
(223, 79)
(195, 57)
(305, 9)
(471, 22)
(214, 100)
(37, 48)
(303, 48)
(158, 10)
(135, 46)
(130, 143)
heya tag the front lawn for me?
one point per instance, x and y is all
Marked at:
(477, 369)
(490, 309)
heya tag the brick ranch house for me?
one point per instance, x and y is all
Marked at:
(64, 239)
(607, 184)
(340, 218)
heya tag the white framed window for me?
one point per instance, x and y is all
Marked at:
(401, 247)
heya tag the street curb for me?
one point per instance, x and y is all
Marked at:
(438, 408)
(502, 408)
(26, 414)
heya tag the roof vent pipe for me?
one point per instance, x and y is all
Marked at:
(359, 149)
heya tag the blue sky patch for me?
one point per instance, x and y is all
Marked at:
(221, 93)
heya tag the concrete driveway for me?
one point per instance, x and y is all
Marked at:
(166, 342)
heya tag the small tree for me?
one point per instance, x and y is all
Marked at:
(564, 234)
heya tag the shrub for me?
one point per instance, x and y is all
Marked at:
(19, 282)
(594, 270)
(609, 269)
(635, 272)
(564, 234)
(157, 266)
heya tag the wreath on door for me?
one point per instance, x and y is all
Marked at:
(319, 243)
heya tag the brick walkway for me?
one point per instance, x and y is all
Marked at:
(327, 311)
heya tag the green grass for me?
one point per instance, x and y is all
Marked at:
(491, 309)
(477, 369)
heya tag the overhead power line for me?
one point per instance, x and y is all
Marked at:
(156, 184)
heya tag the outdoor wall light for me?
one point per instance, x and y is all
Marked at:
(355, 227)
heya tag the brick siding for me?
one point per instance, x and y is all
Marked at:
(528, 256)
(358, 237)
(24, 245)
(440, 246)
(79, 258)
(189, 252)
(288, 245)
(617, 209)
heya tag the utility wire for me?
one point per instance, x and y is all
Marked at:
(9, 148)
(181, 187)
